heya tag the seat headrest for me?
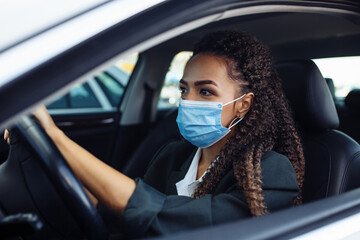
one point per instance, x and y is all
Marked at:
(331, 86)
(352, 100)
(308, 94)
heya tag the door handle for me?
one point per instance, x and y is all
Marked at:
(80, 124)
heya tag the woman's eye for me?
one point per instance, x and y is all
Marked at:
(206, 92)
(182, 90)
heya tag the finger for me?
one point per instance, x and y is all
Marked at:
(8, 141)
(6, 134)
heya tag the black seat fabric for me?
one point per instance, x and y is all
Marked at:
(164, 132)
(331, 87)
(352, 100)
(350, 117)
(332, 157)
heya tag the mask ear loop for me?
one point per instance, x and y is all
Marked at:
(231, 123)
(234, 100)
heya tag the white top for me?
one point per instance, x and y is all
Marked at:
(187, 186)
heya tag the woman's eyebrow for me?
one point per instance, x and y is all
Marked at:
(203, 82)
(200, 82)
(183, 82)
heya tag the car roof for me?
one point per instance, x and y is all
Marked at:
(21, 19)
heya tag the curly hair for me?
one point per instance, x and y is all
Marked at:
(267, 126)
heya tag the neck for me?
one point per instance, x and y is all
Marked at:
(209, 154)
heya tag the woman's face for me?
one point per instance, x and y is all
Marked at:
(206, 79)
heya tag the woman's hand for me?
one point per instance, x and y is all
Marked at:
(102, 182)
(7, 136)
(45, 121)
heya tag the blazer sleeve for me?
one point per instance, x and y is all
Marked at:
(150, 212)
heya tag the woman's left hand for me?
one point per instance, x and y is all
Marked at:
(108, 185)
(7, 136)
(45, 120)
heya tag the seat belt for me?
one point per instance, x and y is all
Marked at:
(149, 94)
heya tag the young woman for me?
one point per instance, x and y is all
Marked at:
(244, 157)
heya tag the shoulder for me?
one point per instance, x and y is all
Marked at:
(277, 171)
(275, 160)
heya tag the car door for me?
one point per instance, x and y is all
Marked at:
(89, 113)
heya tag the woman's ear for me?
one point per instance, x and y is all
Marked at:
(244, 104)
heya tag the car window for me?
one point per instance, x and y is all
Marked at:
(80, 96)
(101, 92)
(111, 87)
(343, 72)
(170, 94)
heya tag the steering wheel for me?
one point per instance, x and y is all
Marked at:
(65, 182)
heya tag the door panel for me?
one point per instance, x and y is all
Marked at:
(95, 132)
(89, 113)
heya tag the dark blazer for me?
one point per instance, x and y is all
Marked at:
(155, 208)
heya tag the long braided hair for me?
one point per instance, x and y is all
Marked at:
(267, 126)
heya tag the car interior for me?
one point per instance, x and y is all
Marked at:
(332, 156)
(128, 136)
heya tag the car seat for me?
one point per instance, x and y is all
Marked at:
(164, 132)
(349, 121)
(332, 157)
(331, 86)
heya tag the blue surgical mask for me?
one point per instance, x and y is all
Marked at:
(199, 122)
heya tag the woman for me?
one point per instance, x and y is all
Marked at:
(246, 158)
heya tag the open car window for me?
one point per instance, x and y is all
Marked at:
(170, 93)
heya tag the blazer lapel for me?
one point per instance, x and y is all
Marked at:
(177, 175)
